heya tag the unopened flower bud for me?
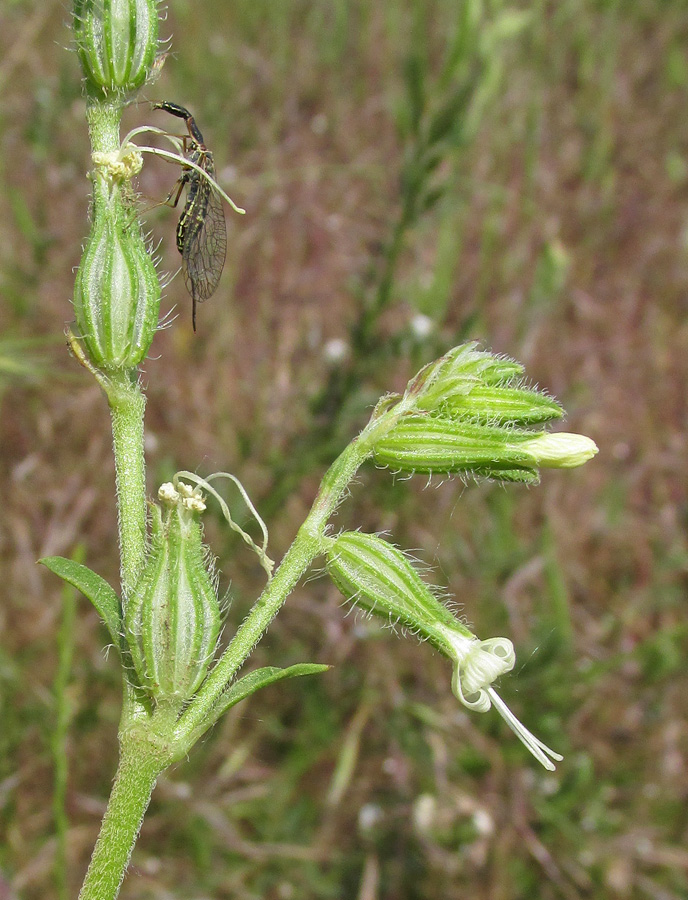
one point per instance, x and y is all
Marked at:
(561, 451)
(173, 618)
(117, 43)
(477, 386)
(498, 405)
(436, 444)
(117, 292)
(458, 372)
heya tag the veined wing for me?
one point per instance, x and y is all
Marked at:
(204, 243)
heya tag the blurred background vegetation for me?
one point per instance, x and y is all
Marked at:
(416, 173)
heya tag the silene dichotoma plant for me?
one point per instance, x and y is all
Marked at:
(469, 413)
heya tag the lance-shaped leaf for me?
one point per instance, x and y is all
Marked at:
(248, 685)
(91, 585)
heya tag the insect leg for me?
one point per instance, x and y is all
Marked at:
(176, 191)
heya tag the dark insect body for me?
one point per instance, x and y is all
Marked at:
(201, 230)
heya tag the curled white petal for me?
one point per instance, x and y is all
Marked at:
(167, 493)
(485, 662)
(476, 665)
(194, 503)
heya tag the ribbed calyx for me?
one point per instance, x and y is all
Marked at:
(379, 577)
(117, 292)
(117, 43)
(172, 621)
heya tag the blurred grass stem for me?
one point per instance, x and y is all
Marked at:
(65, 647)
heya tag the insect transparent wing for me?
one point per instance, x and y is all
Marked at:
(205, 241)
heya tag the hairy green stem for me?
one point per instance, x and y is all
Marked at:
(141, 762)
(127, 406)
(103, 124)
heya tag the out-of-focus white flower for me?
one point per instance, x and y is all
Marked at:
(335, 351)
(422, 326)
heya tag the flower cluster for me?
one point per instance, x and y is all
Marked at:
(470, 413)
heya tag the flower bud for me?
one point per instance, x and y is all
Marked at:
(459, 371)
(498, 405)
(117, 43)
(472, 384)
(172, 620)
(117, 292)
(561, 451)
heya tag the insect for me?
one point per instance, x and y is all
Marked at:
(201, 230)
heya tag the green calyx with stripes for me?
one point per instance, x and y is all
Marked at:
(172, 620)
(117, 292)
(117, 44)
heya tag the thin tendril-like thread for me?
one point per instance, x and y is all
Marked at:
(261, 552)
(177, 157)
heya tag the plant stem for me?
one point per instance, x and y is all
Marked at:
(127, 402)
(103, 124)
(141, 762)
(127, 406)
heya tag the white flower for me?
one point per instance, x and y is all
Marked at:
(476, 665)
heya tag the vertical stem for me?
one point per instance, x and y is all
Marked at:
(103, 124)
(127, 405)
(139, 767)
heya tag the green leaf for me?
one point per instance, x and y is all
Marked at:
(98, 591)
(258, 679)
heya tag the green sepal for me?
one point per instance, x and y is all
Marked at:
(116, 291)
(433, 444)
(117, 43)
(91, 585)
(499, 405)
(380, 578)
(513, 476)
(173, 615)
